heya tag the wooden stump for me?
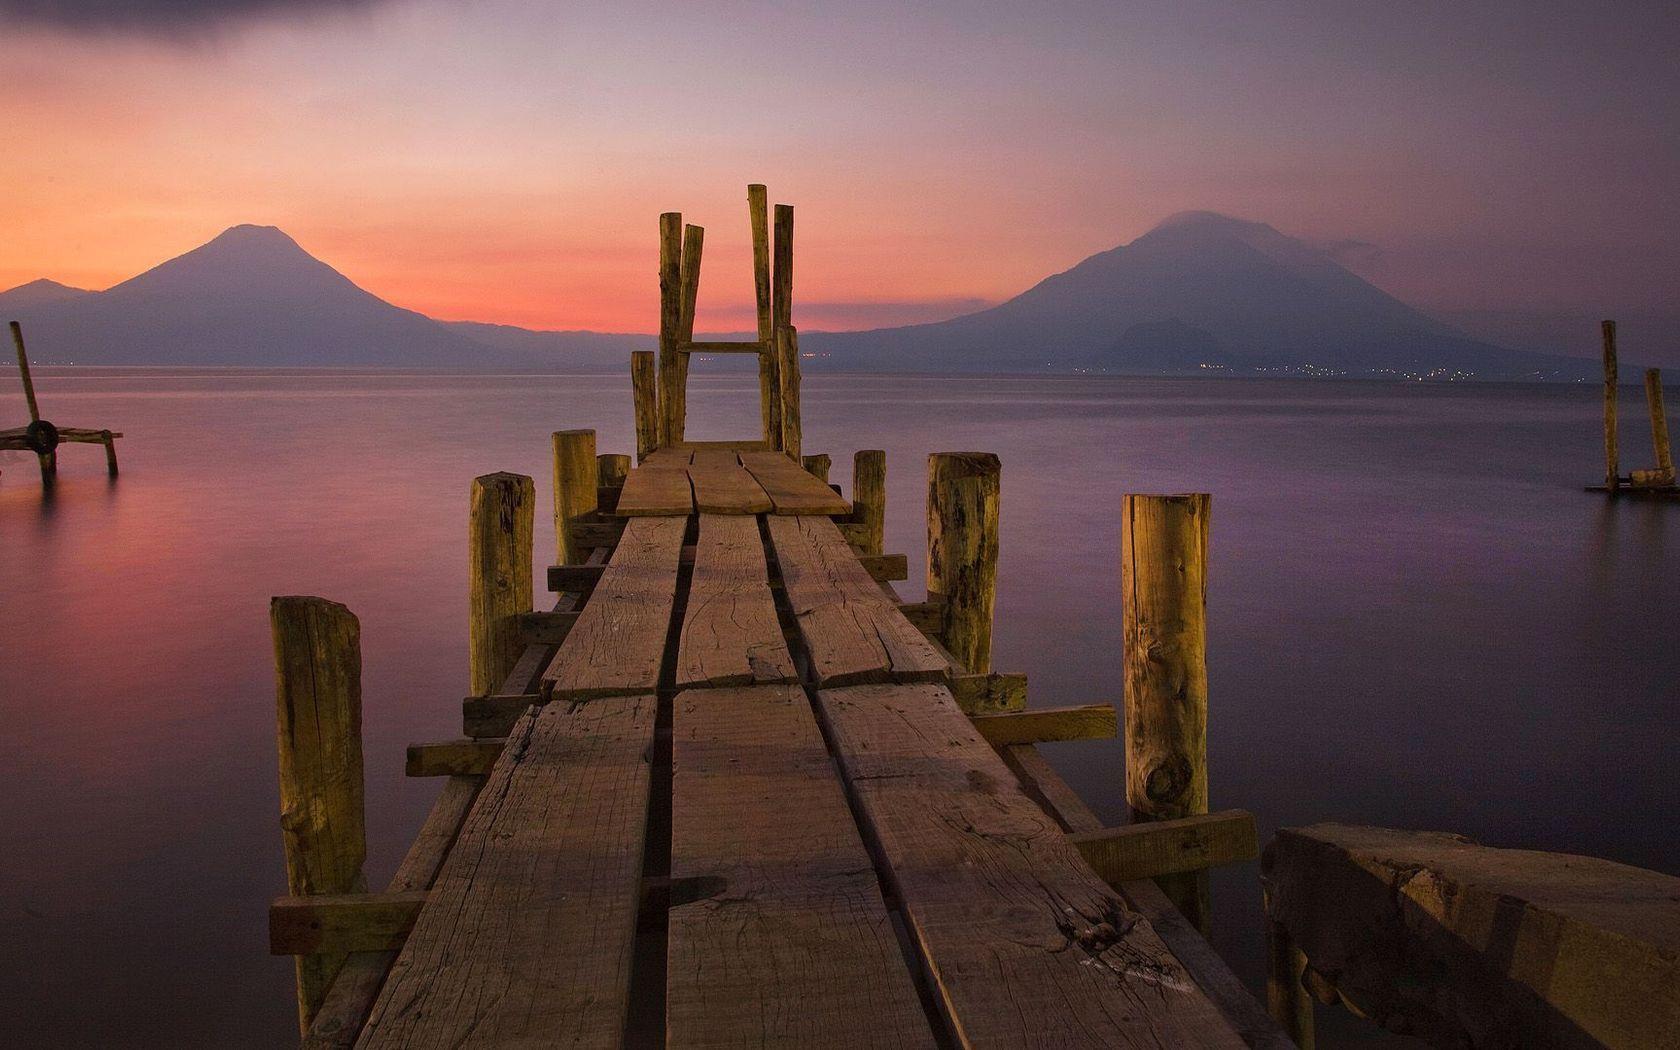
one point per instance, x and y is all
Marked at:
(818, 466)
(1612, 468)
(499, 575)
(575, 475)
(644, 392)
(318, 693)
(1163, 580)
(611, 468)
(869, 497)
(962, 523)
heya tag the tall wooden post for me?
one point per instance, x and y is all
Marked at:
(758, 214)
(318, 694)
(644, 393)
(611, 468)
(869, 497)
(575, 473)
(818, 466)
(110, 443)
(781, 317)
(1163, 582)
(499, 575)
(49, 460)
(787, 373)
(1287, 999)
(672, 407)
(962, 551)
(1612, 468)
(1659, 424)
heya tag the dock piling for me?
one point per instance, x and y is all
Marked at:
(758, 214)
(818, 466)
(962, 546)
(1612, 467)
(318, 691)
(48, 460)
(1163, 579)
(575, 482)
(499, 575)
(644, 393)
(1659, 425)
(611, 468)
(787, 374)
(781, 317)
(671, 388)
(869, 497)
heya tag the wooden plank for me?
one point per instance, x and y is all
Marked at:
(979, 694)
(1168, 847)
(885, 568)
(1469, 945)
(723, 346)
(790, 488)
(852, 630)
(545, 628)
(1025, 945)
(341, 922)
(657, 488)
(526, 939)
(616, 646)
(789, 942)
(494, 715)
(1085, 722)
(730, 633)
(723, 486)
(449, 758)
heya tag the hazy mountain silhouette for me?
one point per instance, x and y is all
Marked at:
(1200, 289)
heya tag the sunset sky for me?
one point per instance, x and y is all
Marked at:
(505, 160)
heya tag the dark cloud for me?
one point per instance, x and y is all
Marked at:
(162, 17)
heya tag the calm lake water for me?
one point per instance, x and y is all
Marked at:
(1417, 619)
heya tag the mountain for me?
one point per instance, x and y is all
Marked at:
(40, 293)
(1201, 292)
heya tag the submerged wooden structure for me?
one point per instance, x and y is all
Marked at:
(732, 790)
(1658, 481)
(41, 436)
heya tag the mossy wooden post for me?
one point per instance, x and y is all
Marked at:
(575, 473)
(672, 407)
(787, 373)
(644, 392)
(1659, 424)
(869, 497)
(758, 213)
(781, 318)
(1612, 468)
(818, 466)
(962, 528)
(611, 468)
(1287, 999)
(318, 693)
(1163, 582)
(499, 575)
(49, 460)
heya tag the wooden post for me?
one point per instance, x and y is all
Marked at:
(318, 694)
(48, 460)
(818, 466)
(869, 497)
(1612, 468)
(1163, 582)
(499, 575)
(781, 316)
(672, 406)
(644, 391)
(575, 474)
(1659, 424)
(110, 452)
(758, 213)
(1287, 999)
(962, 533)
(787, 373)
(611, 468)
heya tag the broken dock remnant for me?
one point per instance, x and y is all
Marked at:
(1657, 482)
(42, 436)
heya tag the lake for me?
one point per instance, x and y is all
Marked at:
(1417, 619)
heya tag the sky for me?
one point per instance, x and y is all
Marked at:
(1510, 166)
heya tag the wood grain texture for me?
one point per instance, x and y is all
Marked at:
(616, 646)
(1026, 946)
(853, 632)
(526, 938)
(341, 922)
(723, 486)
(658, 488)
(869, 498)
(575, 486)
(1168, 847)
(673, 394)
(730, 633)
(758, 215)
(1044, 724)
(962, 551)
(789, 942)
(502, 509)
(787, 375)
(790, 488)
(644, 393)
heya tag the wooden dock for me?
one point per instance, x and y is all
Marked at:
(41, 436)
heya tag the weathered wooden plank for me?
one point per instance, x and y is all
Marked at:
(1025, 945)
(788, 942)
(1464, 944)
(790, 488)
(1167, 847)
(494, 715)
(616, 645)
(979, 694)
(730, 633)
(884, 568)
(526, 938)
(472, 756)
(545, 628)
(723, 486)
(852, 630)
(1085, 722)
(657, 488)
(341, 922)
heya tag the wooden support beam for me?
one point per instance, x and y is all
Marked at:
(1169, 847)
(962, 545)
(672, 395)
(885, 568)
(1163, 583)
(575, 484)
(781, 312)
(318, 699)
(1287, 998)
(644, 393)
(1612, 468)
(494, 716)
(545, 628)
(787, 373)
(453, 758)
(758, 214)
(594, 534)
(1659, 425)
(1045, 724)
(339, 923)
(23, 372)
(927, 616)
(994, 692)
(724, 346)
(501, 515)
(869, 500)
(574, 579)
(818, 466)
